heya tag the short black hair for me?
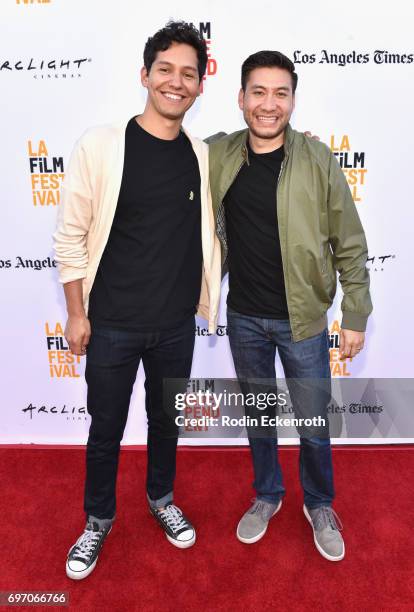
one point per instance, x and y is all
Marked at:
(176, 32)
(268, 59)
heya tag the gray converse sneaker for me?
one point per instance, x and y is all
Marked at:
(253, 524)
(326, 526)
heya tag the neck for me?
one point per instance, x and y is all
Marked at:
(265, 145)
(158, 126)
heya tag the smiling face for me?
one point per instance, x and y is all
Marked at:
(267, 102)
(172, 82)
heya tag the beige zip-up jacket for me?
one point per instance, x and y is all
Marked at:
(89, 199)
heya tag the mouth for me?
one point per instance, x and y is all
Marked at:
(172, 97)
(266, 120)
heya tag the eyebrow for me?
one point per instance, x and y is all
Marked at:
(281, 88)
(170, 64)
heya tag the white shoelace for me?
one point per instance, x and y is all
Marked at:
(86, 544)
(173, 517)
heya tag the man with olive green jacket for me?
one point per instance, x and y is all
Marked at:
(287, 224)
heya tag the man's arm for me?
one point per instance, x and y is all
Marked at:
(78, 328)
(350, 251)
(71, 253)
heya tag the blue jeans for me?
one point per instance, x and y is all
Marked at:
(253, 343)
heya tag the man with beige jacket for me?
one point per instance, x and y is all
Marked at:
(138, 257)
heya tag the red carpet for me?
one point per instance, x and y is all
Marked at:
(138, 569)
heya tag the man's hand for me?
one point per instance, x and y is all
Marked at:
(77, 334)
(309, 135)
(350, 343)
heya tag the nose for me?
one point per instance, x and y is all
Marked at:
(176, 80)
(269, 103)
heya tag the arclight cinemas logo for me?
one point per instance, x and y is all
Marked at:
(71, 413)
(60, 68)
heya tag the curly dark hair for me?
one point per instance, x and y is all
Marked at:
(176, 32)
(268, 59)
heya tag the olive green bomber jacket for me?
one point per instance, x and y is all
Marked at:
(319, 229)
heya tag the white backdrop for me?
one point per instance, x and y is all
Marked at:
(65, 66)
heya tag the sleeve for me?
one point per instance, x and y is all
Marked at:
(74, 217)
(350, 251)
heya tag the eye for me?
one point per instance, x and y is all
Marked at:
(165, 70)
(189, 75)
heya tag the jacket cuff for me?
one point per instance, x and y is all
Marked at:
(354, 320)
(68, 274)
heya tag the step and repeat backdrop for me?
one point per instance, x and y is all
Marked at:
(68, 65)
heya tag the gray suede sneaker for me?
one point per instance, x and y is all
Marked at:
(326, 527)
(253, 524)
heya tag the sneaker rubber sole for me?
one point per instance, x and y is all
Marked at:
(261, 534)
(178, 543)
(84, 573)
(318, 546)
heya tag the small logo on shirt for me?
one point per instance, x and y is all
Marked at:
(191, 196)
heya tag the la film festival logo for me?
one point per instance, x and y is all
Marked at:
(339, 367)
(211, 70)
(46, 174)
(352, 164)
(27, 2)
(197, 414)
(62, 362)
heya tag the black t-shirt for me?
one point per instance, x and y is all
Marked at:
(149, 277)
(256, 282)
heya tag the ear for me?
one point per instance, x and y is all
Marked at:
(293, 102)
(144, 76)
(241, 99)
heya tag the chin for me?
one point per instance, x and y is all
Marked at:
(168, 114)
(262, 132)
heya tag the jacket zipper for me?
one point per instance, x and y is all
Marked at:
(324, 262)
(282, 167)
(220, 210)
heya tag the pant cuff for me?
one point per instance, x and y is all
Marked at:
(317, 504)
(269, 499)
(160, 503)
(103, 523)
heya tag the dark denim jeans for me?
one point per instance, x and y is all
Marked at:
(253, 343)
(112, 362)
